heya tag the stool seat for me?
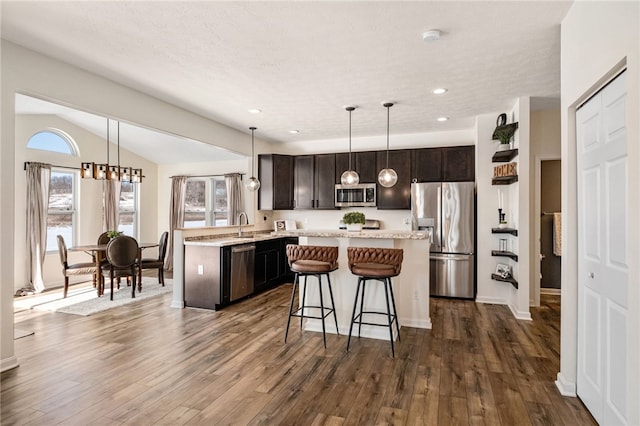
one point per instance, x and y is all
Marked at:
(373, 270)
(309, 266)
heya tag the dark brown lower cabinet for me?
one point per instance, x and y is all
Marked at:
(207, 271)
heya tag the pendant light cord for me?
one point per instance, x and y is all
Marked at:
(388, 136)
(253, 129)
(107, 142)
(350, 168)
(119, 149)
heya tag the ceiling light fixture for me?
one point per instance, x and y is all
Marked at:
(294, 132)
(253, 184)
(442, 119)
(102, 171)
(255, 111)
(439, 91)
(431, 35)
(387, 177)
(350, 177)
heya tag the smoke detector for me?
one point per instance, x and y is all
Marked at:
(431, 35)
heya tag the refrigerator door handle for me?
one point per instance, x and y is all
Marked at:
(450, 256)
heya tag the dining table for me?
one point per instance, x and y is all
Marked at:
(99, 253)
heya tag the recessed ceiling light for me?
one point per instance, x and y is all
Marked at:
(255, 111)
(439, 91)
(431, 35)
(294, 132)
(442, 118)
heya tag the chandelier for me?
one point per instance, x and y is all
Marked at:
(106, 171)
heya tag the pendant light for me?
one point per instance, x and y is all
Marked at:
(102, 171)
(253, 184)
(387, 177)
(350, 177)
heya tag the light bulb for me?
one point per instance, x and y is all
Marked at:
(253, 184)
(350, 178)
(387, 177)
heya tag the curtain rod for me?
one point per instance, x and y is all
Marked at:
(197, 176)
(52, 165)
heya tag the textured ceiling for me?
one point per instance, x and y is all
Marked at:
(301, 62)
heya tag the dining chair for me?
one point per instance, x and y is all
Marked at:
(122, 255)
(157, 263)
(82, 268)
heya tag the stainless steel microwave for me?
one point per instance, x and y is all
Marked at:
(361, 195)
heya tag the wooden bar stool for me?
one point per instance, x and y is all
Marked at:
(378, 264)
(315, 261)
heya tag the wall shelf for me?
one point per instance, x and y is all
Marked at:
(504, 156)
(511, 231)
(504, 180)
(508, 254)
(506, 280)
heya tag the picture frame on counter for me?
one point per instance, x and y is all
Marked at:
(279, 225)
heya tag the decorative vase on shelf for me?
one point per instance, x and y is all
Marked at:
(357, 227)
(504, 146)
(353, 221)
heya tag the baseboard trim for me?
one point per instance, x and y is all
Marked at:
(490, 300)
(551, 291)
(565, 387)
(521, 315)
(8, 364)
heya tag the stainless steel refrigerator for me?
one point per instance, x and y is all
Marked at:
(447, 210)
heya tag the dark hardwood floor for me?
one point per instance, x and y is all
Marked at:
(147, 363)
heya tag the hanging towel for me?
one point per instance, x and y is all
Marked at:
(557, 234)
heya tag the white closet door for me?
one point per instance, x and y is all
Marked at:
(602, 253)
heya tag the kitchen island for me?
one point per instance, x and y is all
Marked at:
(411, 287)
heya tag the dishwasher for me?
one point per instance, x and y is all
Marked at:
(242, 269)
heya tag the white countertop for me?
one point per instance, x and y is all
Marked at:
(340, 233)
(229, 240)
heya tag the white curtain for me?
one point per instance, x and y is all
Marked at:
(111, 204)
(38, 180)
(235, 203)
(176, 214)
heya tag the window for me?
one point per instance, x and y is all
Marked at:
(53, 141)
(62, 208)
(205, 202)
(128, 222)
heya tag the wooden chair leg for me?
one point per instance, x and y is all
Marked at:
(161, 276)
(66, 286)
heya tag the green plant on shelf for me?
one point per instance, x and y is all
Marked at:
(353, 217)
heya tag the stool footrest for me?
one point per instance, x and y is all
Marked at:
(302, 315)
(358, 319)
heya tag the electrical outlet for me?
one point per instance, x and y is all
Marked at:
(200, 269)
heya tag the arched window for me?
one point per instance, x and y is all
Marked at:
(54, 141)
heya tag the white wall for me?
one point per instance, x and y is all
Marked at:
(89, 226)
(516, 209)
(597, 39)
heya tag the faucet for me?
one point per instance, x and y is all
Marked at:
(246, 220)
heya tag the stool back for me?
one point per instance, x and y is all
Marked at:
(384, 256)
(320, 253)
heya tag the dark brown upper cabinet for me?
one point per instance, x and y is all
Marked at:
(314, 181)
(459, 163)
(363, 162)
(399, 195)
(426, 164)
(276, 182)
